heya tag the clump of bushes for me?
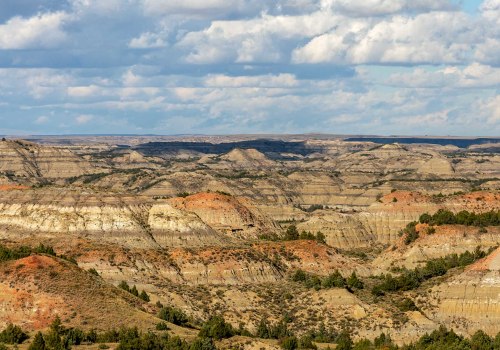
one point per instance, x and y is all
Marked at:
(173, 315)
(411, 279)
(266, 330)
(60, 338)
(333, 280)
(142, 295)
(311, 208)
(13, 335)
(292, 234)
(410, 233)
(464, 217)
(217, 328)
(21, 252)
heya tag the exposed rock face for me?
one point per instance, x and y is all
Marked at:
(448, 239)
(35, 289)
(247, 158)
(133, 159)
(341, 230)
(470, 301)
(32, 161)
(121, 220)
(386, 219)
(202, 254)
(227, 214)
(221, 265)
(393, 159)
(382, 221)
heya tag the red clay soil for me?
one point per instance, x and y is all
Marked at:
(490, 263)
(210, 201)
(35, 289)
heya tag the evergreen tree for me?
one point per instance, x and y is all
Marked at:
(217, 328)
(481, 341)
(203, 344)
(13, 335)
(144, 296)
(320, 237)
(124, 285)
(263, 329)
(292, 233)
(354, 282)
(344, 342)
(38, 343)
(53, 340)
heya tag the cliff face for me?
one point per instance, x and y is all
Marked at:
(345, 231)
(448, 239)
(471, 300)
(31, 161)
(117, 219)
(395, 158)
(227, 214)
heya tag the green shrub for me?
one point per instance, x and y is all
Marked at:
(291, 233)
(411, 279)
(299, 276)
(38, 343)
(363, 344)
(23, 252)
(464, 217)
(269, 331)
(334, 280)
(173, 315)
(481, 341)
(144, 296)
(320, 237)
(353, 282)
(75, 336)
(289, 343)
(306, 342)
(307, 235)
(383, 341)
(344, 342)
(410, 233)
(13, 335)
(216, 328)
(203, 344)
(161, 326)
(124, 285)
(407, 305)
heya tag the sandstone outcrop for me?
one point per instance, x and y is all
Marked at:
(233, 216)
(31, 162)
(118, 219)
(469, 301)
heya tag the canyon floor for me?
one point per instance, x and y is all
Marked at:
(209, 225)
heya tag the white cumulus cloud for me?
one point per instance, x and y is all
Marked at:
(44, 30)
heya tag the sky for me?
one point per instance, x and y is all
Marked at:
(386, 67)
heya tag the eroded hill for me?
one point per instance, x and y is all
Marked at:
(222, 228)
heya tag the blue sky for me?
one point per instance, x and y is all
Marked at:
(414, 67)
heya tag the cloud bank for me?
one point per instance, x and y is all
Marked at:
(248, 66)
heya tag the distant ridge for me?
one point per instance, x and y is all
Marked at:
(459, 142)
